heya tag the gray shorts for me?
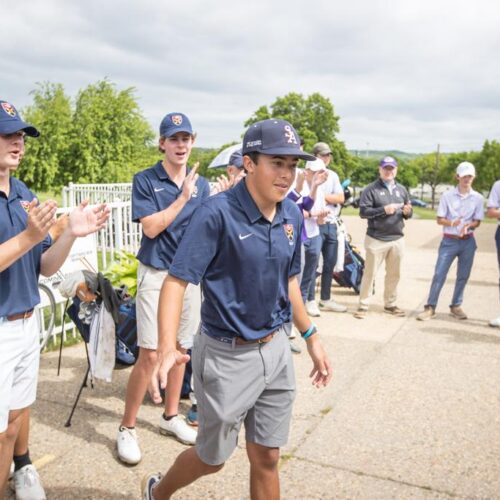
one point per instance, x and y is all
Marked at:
(149, 283)
(252, 384)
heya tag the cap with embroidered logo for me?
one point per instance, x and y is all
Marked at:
(11, 122)
(174, 123)
(388, 161)
(273, 137)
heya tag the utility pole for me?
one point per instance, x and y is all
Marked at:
(434, 177)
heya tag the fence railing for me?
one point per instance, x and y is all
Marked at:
(74, 194)
(119, 234)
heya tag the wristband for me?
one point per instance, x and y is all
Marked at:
(310, 331)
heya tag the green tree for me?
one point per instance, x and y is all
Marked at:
(51, 114)
(487, 166)
(314, 119)
(433, 169)
(110, 139)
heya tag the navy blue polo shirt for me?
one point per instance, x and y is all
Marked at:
(244, 260)
(19, 282)
(153, 191)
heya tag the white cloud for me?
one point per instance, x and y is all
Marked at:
(403, 75)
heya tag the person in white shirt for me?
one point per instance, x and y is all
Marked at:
(493, 207)
(334, 197)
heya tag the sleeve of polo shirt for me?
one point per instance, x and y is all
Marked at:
(336, 186)
(366, 208)
(198, 245)
(442, 210)
(479, 211)
(494, 198)
(46, 243)
(143, 200)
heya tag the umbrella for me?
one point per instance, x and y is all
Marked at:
(222, 159)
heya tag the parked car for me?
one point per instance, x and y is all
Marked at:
(418, 203)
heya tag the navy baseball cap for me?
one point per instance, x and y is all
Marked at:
(236, 159)
(273, 137)
(388, 161)
(173, 123)
(11, 122)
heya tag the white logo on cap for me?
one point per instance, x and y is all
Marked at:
(290, 135)
(251, 144)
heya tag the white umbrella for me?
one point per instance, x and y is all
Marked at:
(222, 159)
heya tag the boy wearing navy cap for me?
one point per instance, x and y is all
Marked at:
(164, 197)
(26, 250)
(244, 245)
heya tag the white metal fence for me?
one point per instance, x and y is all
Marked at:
(119, 234)
(74, 194)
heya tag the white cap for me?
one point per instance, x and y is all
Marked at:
(315, 165)
(466, 168)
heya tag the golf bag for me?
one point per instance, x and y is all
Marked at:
(354, 265)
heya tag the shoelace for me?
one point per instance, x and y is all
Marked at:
(27, 478)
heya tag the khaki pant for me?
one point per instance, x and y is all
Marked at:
(377, 251)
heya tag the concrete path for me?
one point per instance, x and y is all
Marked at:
(413, 411)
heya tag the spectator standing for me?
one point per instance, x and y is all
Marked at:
(26, 251)
(386, 204)
(164, 197)
(493, 211)
(333, 198)
(460, 212)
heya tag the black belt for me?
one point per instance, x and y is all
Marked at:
(241, 340)
(23, 315)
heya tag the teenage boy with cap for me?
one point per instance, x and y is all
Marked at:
(26, 250)
(460, 211)
(245, 246)
(334, 197)
(494, 212)
(315, 175)
(164, 197)
(386, 204)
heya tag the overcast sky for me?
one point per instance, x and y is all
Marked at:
(402, 75)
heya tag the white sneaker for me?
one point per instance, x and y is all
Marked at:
(27, 484)
(331, 305)
(312, 309)
(127, 445)
(495, 322)
(178, 427)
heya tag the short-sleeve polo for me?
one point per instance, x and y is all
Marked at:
(153, 191)
(243, 261)
(19, 282)
(453, 205)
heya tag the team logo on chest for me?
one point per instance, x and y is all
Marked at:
(289, 232)
(25, 205)
(177, 120)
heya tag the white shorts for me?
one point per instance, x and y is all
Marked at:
(149, 283)
(19, 362)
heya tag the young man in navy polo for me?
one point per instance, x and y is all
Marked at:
(244, 246)
(164, 197)
(26, 250)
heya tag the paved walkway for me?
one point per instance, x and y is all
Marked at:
(413, 412)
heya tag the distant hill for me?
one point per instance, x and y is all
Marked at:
(372, 153)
